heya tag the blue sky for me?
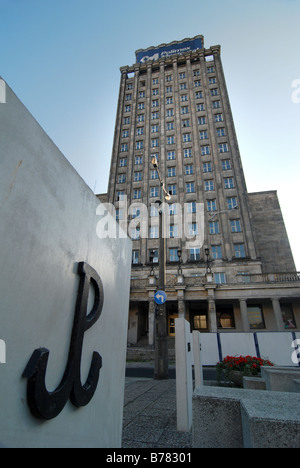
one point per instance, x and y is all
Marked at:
(59, 55)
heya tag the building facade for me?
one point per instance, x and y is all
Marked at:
(229, 265)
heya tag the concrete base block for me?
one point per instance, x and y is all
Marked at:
(237, 418)
(281, 379)
(217, 421)
(254, 383)
(272, 421)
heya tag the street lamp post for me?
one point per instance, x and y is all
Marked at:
(161, 360)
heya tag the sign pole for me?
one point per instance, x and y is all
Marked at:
(161, 361)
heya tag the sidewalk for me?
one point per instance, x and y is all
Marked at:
(149, 419)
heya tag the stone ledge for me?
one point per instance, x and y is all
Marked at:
(237, 418)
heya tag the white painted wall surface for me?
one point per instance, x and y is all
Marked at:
(47, 225)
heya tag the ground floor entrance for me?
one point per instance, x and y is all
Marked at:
(212, 316)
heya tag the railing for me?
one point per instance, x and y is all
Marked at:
(269, 278)
(263, 278)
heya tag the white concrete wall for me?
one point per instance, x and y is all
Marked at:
(47, 225)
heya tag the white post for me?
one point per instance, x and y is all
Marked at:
(197, 359)
(2, 352)
(184, 376)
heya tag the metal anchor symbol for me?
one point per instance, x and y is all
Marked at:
(48, 405)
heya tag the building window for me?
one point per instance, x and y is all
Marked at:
(170, 140)
(171, 171)
(194, 254)
(210, 69)
(170, 125)
(122, 179)
(155, 115)
(125, 134)
(120, 195)
(207, 167)
(169, 78)
(182, 75)
(211, 205)
(126, 120)
(153, 232)
(223, 148)
(231, 203)
(221, 132)
(155, 103)
(173, 255)
(169, 112)
(171, 155)
(255, 317)
(191, 207)
(153, 256)
(141, 105)
(138, 160)
(169, 89)
(220, 278)
(135, 233)
(173, 230)
(123, 162)
(155, 92)
(201, 120)
(184, 98)
(216, 104)
(216, 251)
(203, 135)
(135, 257)
(153, 191)
(209, 185)
(154, 143)
(219, 118)
(138, 176)
(141, 118)
(139, 145)
(239, 250)
(197, 83)
(226, 165)
(193, 229)
(200, 107)
(124, 147)
(199, 95)
(190, 187)
(189, 169)
(137, 193)
(153, 174)
(172, 189)
(155, 81)
(153, 210)
(186, 123)
(169, 100)
(235, 225)
(225, 316)
(288, 316)
(185, 110)
(214, 92)
(187, 152)
(205, 150)
(214, 227)
(182, 86)
(212, 80)
(186, 137)
(173, 208)
(140, 131)
(128, 108)
(229, 182)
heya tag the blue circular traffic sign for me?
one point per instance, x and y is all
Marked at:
(160, 297)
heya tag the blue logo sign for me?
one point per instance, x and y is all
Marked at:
(174, 48)
(160, 297)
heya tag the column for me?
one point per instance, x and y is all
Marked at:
(244, 315)
(212, 316)
(151, 323)
(278, 314)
